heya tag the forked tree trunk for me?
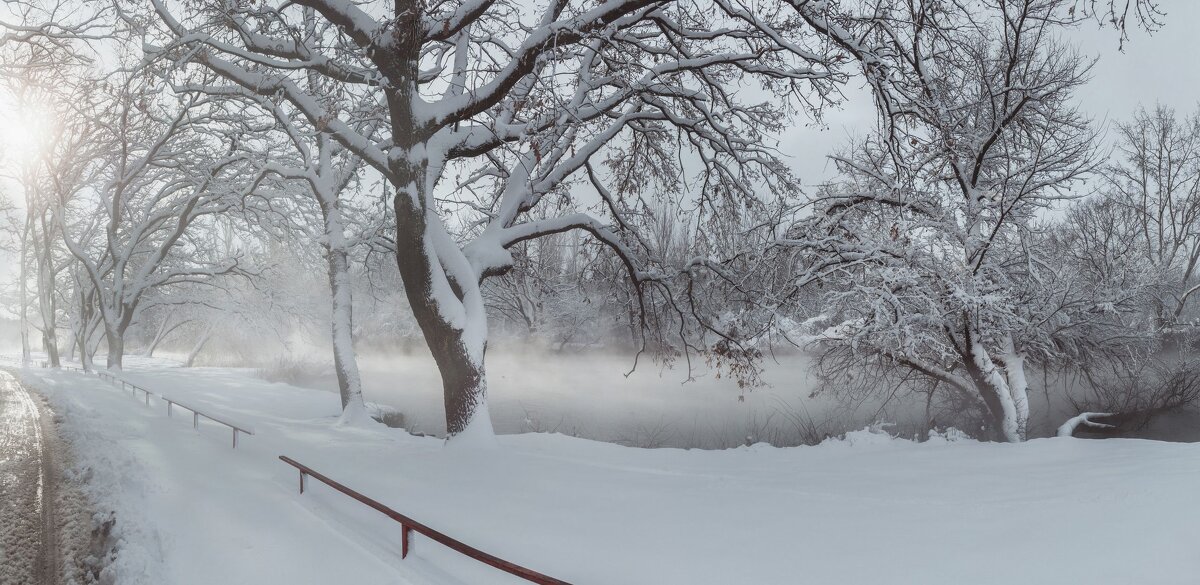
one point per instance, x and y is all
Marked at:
(441, 286)
(992, 387)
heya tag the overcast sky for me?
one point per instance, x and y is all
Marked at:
(1159, 67)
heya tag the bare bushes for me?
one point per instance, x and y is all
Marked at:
(1135, 393)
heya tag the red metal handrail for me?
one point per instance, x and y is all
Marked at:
(407, 524)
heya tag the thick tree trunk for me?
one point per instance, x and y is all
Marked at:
(50, 346)
(441, 286)
(81, 341)
(115, 327)
(91, 342)
(992, 387)
(49, 325)
(1018, 386)
(458, 354)
(72, 346)
(449, 311)
(464, 382)
(116, 349)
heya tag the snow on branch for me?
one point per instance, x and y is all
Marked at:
(1084, 420)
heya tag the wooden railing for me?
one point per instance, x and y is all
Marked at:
(409, 525)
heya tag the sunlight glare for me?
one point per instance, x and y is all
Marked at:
(25, 132)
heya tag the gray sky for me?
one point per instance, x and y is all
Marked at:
(1159, 67)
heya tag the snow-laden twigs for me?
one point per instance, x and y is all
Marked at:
(525, 103)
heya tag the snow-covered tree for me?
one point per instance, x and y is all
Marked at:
(1152, 202)
(168, 166)
(622, 97)
(52, 167)
(927, 241)
(317, 164)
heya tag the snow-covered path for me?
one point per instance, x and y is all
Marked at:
(29, 552)
(866, 509)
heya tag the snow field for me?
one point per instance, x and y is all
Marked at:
(865, 509)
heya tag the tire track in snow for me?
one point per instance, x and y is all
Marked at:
(29, 552)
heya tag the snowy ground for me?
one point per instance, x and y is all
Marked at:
(44, 522)
(25, 554)
(869, 509)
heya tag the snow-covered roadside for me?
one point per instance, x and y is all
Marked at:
(188, 509)
(867, 509)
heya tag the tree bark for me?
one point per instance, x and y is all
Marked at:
(191, 358)
(440, 285)
(1018, 386)
(345, 363)
(116, 349)
(46, 301)
(24, 292)
(992, 387)
(460, 360)
(161, 334)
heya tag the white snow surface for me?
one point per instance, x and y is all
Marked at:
(865, 509)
